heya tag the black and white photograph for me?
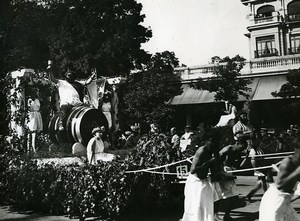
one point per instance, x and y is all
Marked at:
(150, 110)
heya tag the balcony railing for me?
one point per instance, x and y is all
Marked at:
(293, 18)
(278, 64)
(261, 19)
(266, 53)
(294, 50)
(259, 66)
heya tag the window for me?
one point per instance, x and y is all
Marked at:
(294, 11)
(265, 11)
(265, 47)
(295, 44)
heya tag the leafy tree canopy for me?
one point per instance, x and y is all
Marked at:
(292, 87)
(106, 34)
(147, 92)
(225, 81)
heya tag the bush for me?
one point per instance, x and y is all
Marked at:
(78, 191)
(102, 190)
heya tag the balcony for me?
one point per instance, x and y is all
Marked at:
(255, 67)
(266, 53)
(295, 50)
(257, 20)
(293, 18)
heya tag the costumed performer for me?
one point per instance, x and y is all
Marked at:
(95, 146)
(198, 191)
(276, 202)
(231, 112)
(35, 121)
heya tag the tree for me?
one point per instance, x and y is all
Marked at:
(106, 34)
(146, 92)
(225, 81)
(292, 87)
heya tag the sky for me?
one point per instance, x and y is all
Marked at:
(196, 30)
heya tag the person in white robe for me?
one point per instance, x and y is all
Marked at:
(95, 147)
(198, 191)
(231, 113)
(276, 202)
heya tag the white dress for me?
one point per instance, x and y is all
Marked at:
(94, 150)
(106, 109)
(35, 122)
(224, 119)
(276, 206)
(198, 202)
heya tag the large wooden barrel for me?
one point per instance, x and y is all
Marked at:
(78, 125)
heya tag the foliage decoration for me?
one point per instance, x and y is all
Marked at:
(226, 81)
(147, 91)
(80, 191)
(292, 87)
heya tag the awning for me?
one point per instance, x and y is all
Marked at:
(267, 85)
(261, 89)
(192, 96)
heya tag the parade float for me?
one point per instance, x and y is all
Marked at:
(80, 120)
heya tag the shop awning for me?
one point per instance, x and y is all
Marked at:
(194, 96)
(267, 85)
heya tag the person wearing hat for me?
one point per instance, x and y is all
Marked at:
(95, 146)
(276, 202)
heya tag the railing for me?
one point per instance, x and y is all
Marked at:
(256, 20)
(293, 18)
(194, 72)
(279, 64)
(294, 50)
(259, 66)
(266, 53)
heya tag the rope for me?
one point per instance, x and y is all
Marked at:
(158, 167)
(189, 160)
(270, 154)
(274, 166)
(255, 168)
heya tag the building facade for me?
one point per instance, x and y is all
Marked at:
(274, 48)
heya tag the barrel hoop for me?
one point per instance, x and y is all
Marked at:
(77, 124)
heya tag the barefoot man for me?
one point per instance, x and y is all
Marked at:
(276, 202)
(198, 191)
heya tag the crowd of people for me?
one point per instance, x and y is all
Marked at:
(217, 155)
(231, 144)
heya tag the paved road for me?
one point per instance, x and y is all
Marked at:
(248, 212)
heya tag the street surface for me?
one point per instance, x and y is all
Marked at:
(248, 212)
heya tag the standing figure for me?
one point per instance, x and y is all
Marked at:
(230, 115)
(276, 202)
(198, 191)
(185, 140)
(175, 141)
(242, 128)
(106, 109)
(35, 121)
(95, 146)
(253, 153)
(70, 93)
(223, 181)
